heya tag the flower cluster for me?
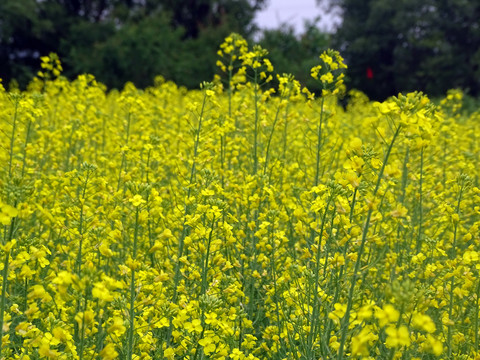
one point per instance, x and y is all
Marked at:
(246, 224)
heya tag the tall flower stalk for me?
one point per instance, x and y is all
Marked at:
(346, 318)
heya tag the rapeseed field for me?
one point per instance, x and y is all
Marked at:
(237, 221)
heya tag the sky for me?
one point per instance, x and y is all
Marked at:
(293, 12)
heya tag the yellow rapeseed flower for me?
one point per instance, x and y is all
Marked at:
(397, 337)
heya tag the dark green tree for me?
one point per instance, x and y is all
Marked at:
(120, 40)
(404, 45)
(196, 15)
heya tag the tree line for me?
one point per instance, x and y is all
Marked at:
(389, 46)
(406, 45)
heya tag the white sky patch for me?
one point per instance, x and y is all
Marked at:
(294, 12)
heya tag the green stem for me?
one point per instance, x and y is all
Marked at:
(274, 278)
(203, 289)
(255, 140)
(181, 241)
(25, 147)
(132, 290)
(5, 284)
(452, 256)
(267, 153)
(12, 138)
(205, 268)
(78, 262)
(230, 75)
(352, 207)
(346, 318)
(315, 306)
(124, 156)
(82, 333)
(402, 245)
(10, 232)
(476, 315)
(405, 175)
(285, 134)
(319, 143)
(149, 221)
(420, 205)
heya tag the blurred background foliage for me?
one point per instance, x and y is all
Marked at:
(389, 47)
(430, 45)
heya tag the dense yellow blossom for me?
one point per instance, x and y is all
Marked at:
(237, 221)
